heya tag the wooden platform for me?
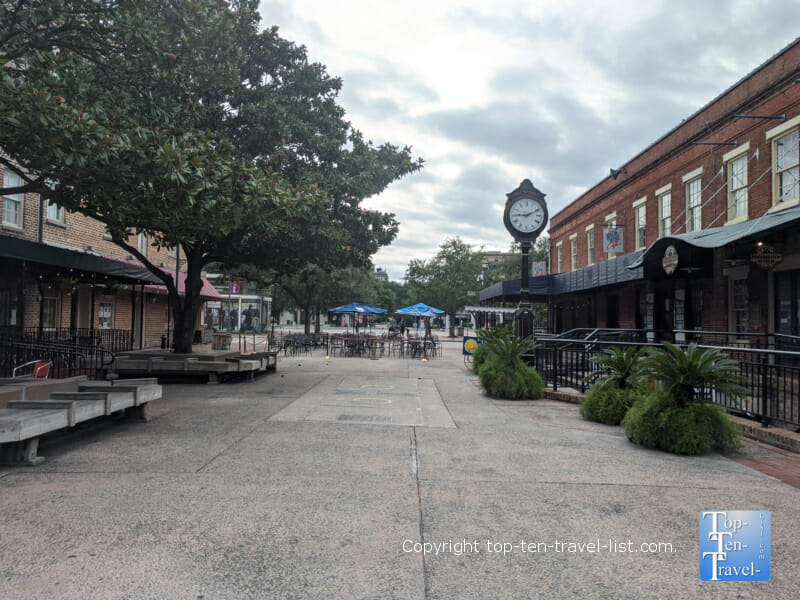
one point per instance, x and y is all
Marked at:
(213, 366)
(24, 421)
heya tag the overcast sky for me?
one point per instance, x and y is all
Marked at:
(492, 92)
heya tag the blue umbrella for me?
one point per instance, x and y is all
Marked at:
(356, 308)
(420, 310)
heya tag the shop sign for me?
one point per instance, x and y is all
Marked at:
(670, 260)
(765, 257)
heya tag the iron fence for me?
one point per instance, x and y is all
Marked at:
(772, 376)
(113, 340)
(68, 360)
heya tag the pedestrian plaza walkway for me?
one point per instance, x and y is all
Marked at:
(385, 478)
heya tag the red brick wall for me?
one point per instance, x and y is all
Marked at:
(770, 91)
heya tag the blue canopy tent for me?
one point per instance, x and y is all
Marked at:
(420, 309)
(356, 308)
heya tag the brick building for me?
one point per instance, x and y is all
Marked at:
(697, 231)
(60, 271)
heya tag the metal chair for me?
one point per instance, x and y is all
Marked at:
(41, 369)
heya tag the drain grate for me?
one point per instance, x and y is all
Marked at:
(365, 419)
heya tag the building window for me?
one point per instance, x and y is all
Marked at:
(693, 205)
(573, 243)
(590, 245)
(559, 256)
(785, 150)
(736, 165)
(141, 244)
(51, 315)
(640, 220)
(664, 207)
(105, 315)
(741, 306)
(13, 204)
(612, 236)
(55, 212)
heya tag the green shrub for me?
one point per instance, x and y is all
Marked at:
(498, 363)
(479, 356)
(621, 369)
(658, 421)
(501, 380)
(608, 403)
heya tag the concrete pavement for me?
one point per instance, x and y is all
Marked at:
(325, 479)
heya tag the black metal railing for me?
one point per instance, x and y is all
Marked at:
(772, 376)
(68, 360)
(114, 340)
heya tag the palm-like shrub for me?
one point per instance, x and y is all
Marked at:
(609, 404)
(617, 376)
(498, 363)
(621, 369)
(677, 417)
(687, 376)
(656, 421)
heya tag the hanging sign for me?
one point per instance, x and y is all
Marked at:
(766, 257)
(612, 240)
(670, 260)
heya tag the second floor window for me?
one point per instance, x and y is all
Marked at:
(54, 212)
(12, 203)
(574, 253)
(786, 167)
(141, 243)
(640, 215)
(590, 246)
(665, 214)
(737, 188)
(559, 252)
(693, 205)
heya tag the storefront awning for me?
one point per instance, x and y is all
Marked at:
(608, 272)
(717, 237)
(207, 292)
(79, 260)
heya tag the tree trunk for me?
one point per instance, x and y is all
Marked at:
(186, 312)
(307, 324)
(452, 324)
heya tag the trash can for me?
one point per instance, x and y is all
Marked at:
(460, 331)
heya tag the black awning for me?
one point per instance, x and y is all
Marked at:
(79, 260)
(608, 272)
(717, 237)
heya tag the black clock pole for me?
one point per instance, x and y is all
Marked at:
(523, 316)
(525, 217)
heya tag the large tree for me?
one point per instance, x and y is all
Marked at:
(183, 121)
(444, 280)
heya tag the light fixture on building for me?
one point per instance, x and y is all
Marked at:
(617, 172)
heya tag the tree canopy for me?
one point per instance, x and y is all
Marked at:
(180, 119)
(444, 280)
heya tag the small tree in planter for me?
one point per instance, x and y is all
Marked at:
(678, 416)
(616, 386)
(498, 363)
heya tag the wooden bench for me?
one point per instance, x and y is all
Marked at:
(210, 366)
(24, 421)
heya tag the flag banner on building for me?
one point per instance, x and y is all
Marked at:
(538, 268)
(612, 240)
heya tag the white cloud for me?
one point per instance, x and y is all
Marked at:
(490, 93)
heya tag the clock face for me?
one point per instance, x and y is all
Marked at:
(526, 215)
